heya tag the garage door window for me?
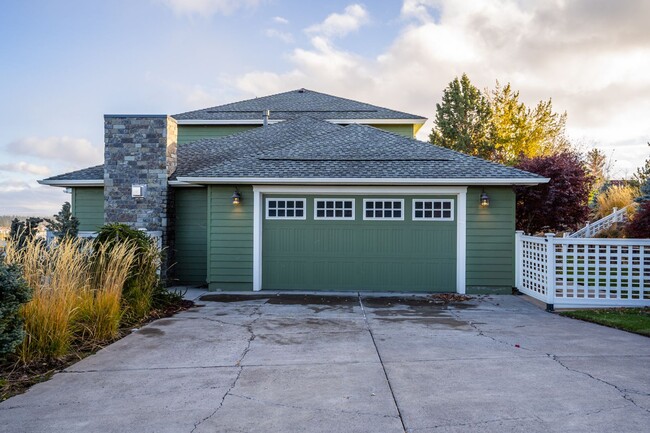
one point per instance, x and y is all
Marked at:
(333, 209)
(285, 208)
(382, 209)
(433, 210)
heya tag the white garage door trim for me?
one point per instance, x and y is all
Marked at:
(461, 224)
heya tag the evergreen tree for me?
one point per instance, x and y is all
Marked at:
(64, 224)
(463, 120)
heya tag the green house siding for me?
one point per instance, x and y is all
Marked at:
(189, 133)
(88, 206)
(191, 246)
(490, 240)
(404, 129)
(378, 255)
(230, 239)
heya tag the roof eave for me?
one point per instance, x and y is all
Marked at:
(363, 181)
(72, 183)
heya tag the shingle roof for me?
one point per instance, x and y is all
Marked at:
(296, 103)
(90, 173)
(311, 148)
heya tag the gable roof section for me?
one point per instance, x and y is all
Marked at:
(296, 103)
(309, 150)
(91, 176)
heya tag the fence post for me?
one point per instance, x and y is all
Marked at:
(550, 271)
(518, 258)
(588, 230)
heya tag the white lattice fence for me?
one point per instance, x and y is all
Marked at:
(584, 272)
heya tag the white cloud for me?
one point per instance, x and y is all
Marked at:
(339, 25)
(208, 7)
(280, 20)
(22, 198)
(58, 148)
(592, 58)
(285, 37)
(24, 167)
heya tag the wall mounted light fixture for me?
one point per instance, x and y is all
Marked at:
(236, 197)
(138, 191)
(485, 199)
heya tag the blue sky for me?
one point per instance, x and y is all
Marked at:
(66, 63)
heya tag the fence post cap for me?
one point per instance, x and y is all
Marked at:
(519, 232)
(549, 235)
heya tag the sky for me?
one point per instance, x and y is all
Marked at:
(64, 64)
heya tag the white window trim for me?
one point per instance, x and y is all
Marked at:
(366, 200)
(304, 207)
(352, 218)
(432, 200)
(461, 216)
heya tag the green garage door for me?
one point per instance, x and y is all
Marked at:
(379, 243)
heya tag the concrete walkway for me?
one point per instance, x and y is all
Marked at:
(351, 364)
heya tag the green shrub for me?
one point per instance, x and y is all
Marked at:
(14, 292)
(143, 277)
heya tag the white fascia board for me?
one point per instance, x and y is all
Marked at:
(358, 181)
(378, 121)
(178, 183)
(72, 183)
(374, 190)
(226, 122)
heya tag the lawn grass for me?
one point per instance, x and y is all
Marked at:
(635, 320)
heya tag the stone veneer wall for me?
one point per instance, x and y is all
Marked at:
(140, 149)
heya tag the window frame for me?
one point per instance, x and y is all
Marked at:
(375, 200)
(335, 218)
(433, 218)
(296, 199)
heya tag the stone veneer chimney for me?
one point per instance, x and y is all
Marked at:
(139, 150)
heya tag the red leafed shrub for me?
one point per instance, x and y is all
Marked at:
(639, 226)
(561, 204)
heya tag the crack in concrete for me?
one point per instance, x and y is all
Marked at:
(316, 409)
(470, 424)
(622, 391)
(238, 364)
(383, 367)
(482, 333)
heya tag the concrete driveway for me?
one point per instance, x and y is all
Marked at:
(351, 364)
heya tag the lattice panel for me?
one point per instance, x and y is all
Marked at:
(534, 267)
(602, 270)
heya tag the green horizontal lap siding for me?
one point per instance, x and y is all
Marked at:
(191, 229)
(230, 239)
(404, 129)
(491, 238)
(189, 133)
(358, 255)
(88, 207)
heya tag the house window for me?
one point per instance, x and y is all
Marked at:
(333, 209)
(383, 209)
(433, 210)
(285, 208)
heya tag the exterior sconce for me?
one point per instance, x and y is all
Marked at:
(236, 197)
(485, 199)
(138, 191)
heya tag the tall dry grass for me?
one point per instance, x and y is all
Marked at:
(615, 197)
(57, 276)
(77, 294)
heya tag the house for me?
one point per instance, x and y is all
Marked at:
(305, 191)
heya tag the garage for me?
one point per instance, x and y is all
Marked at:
(374, 242)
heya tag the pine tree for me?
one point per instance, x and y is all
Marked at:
(64, 224)
(463, 120)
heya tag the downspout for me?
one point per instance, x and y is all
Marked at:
(265, 117)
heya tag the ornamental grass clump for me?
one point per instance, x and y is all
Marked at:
(100, 305)
(57, 275)
(615, 197)
(143, 279)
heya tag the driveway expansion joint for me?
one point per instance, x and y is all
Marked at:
(383, 367)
